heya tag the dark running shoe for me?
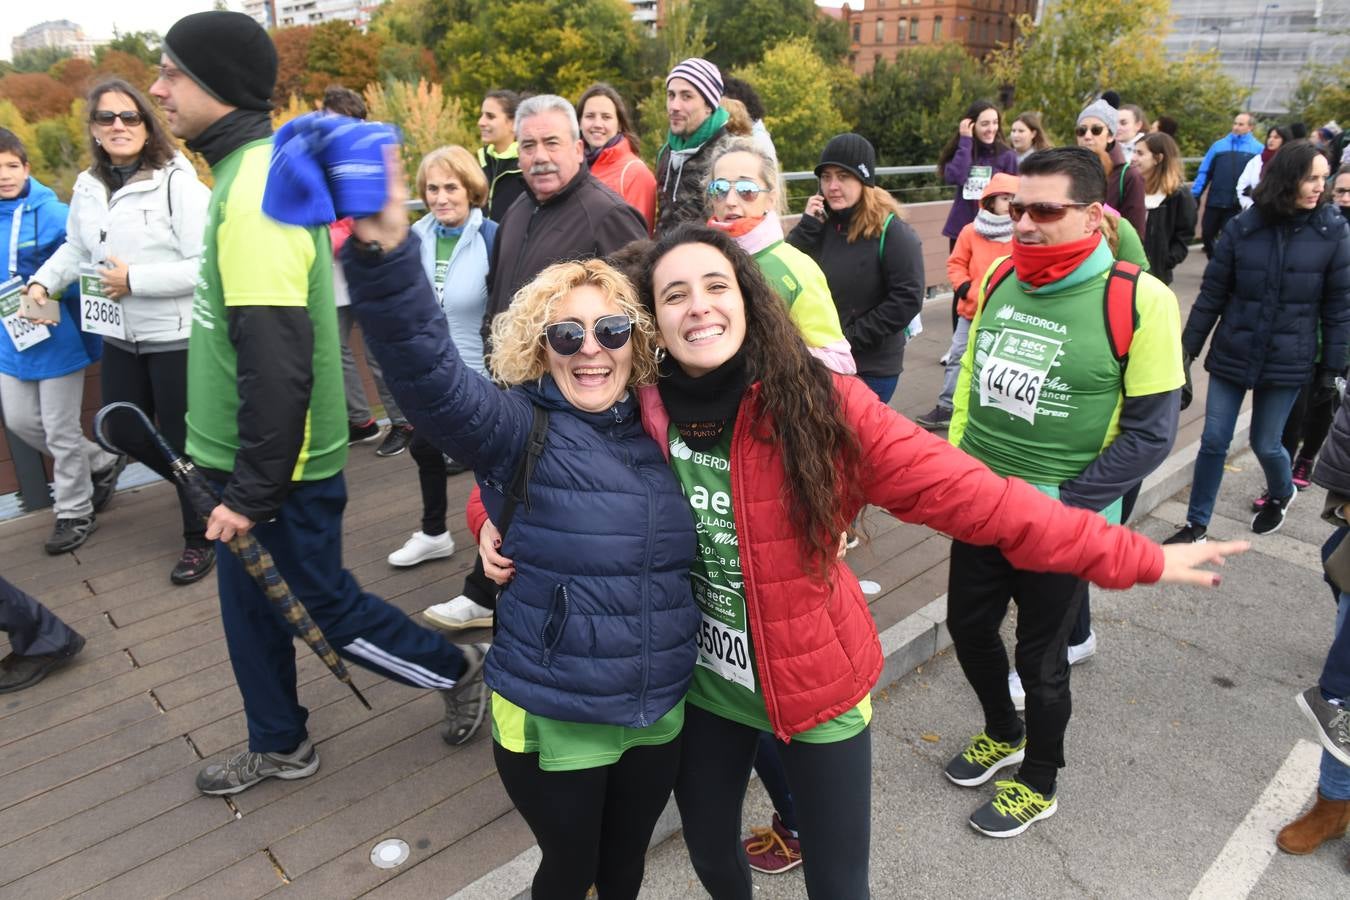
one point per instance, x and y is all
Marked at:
(1191, 534)
(243, 770)
(1260, 502)
(453, 466)
(68, 534)
(1332, 721)
(19, 672)
(982, 758)
(193, 565)
(936, 419)
(1271, 516)
(396, 441)
(105, 482)
(466, 702)
(1012, 810)
(363, 433)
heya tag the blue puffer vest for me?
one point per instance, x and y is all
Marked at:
(599, 623)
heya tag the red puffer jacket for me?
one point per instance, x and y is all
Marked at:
(817, 651)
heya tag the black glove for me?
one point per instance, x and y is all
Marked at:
(1187, 389)
(962, 291)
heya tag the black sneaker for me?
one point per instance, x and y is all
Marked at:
(19, 672)
(1332, 721)
(1012, 810)
(243, 770)
(68, 534)
(936, 419)
(105, 482)
(1271, 516)
(363, 433)
(396, 441)
(1191, 534)
(982, 758)
(193, 565)
(466, 702)
(453, 466)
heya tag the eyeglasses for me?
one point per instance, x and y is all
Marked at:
(1096, 130)
(611, 332)
(129, 117)
(746, 189)
(1042, 212)
(1340, 192)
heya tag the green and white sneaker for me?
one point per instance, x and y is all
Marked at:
(983, 757)
(1012, 810)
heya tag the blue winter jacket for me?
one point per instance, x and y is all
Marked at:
(1222, 167)
(1272, 288)
(40, 219)
(598, 624)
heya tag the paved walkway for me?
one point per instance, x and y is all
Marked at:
(96, 764)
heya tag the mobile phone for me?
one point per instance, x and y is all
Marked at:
(29, 308)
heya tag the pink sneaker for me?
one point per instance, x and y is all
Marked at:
(774, 849)
(1302, 473)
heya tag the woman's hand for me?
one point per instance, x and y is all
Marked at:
(495, 566)
(1181, 562)
(389, 226)
(815, 206)
(966, 128)
(38, 294)
(116, 279)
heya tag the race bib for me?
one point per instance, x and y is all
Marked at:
(976, 182)
(98, 313)
(723, 645)
(1014, 371)
(23, 332)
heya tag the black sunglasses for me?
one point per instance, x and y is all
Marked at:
(129, 117)
(611, 332)
(1041, 212)
(1095, 129)
(746, 189)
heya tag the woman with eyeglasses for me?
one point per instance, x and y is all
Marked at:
(970, 159)
(1171, 208)
(594, 645)
(743, 199)
(1096, 131)
(1276, 296)
(612, 149)
(872, 259)
(138, 214)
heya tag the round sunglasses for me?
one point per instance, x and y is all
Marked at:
(1096, 130)
(129, 117)
(1042, 212)
(611, 332)
(746, 189)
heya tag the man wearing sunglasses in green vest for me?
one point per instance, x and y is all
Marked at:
(1071, 381)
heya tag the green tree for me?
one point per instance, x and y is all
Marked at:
(1083, 47)
(64, 145)
(419, 23)
(12, 120)
(1322, 95)
(910, 108)
(741, 30)
(684, 34)
(39, 59)
(560, 46)
(144, 45)
(427, 118)
(799, 90)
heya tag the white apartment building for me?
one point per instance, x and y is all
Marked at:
(62, 34)
(285, 13)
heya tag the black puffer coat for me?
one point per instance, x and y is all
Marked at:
(1270, 287)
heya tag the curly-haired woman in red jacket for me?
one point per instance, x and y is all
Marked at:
(776, 455)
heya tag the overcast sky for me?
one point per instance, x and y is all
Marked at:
(97, 17)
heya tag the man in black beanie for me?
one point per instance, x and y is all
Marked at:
(267, 421)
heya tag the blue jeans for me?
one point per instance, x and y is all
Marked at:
(1334, 782)
(882, 385)
(960, 338)
(1270, 409)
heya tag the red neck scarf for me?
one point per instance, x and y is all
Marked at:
(736, 228)
(1039, 264)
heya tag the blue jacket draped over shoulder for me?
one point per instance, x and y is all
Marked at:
(599, 623)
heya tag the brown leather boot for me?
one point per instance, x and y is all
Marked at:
(1326, 820)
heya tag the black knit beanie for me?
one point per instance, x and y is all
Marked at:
(228, 54)
(852, 152)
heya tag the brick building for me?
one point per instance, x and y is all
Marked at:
(884, 28)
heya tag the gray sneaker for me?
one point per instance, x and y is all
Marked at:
(466, 702)
(1332, 721)
(243, 770)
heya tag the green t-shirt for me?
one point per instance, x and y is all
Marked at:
(567, 746)
(1040, 392)
(725, 679)
(250, 259)
(445, 246)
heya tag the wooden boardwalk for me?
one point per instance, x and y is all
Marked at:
(97, 762)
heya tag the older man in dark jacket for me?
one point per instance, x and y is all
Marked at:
(564, 214)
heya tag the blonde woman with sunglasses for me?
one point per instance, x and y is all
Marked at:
(594, 647)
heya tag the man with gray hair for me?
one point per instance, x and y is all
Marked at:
(564, 213)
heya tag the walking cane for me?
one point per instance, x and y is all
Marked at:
(257, 561)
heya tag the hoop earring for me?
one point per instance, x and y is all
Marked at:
(660, 355)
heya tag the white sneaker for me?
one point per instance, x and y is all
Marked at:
(1080, 652)
(458, 613)
(945, 358)
(421, 548)
(1015, 689)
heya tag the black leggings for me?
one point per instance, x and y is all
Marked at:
(1309, 421)
(431, 474)
(157, 383)
(831, 786)
(593, 825)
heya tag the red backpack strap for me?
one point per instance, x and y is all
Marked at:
(1121, 317)
(999, 275)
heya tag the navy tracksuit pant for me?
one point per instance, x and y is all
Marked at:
(32, 628)
(305, 541)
